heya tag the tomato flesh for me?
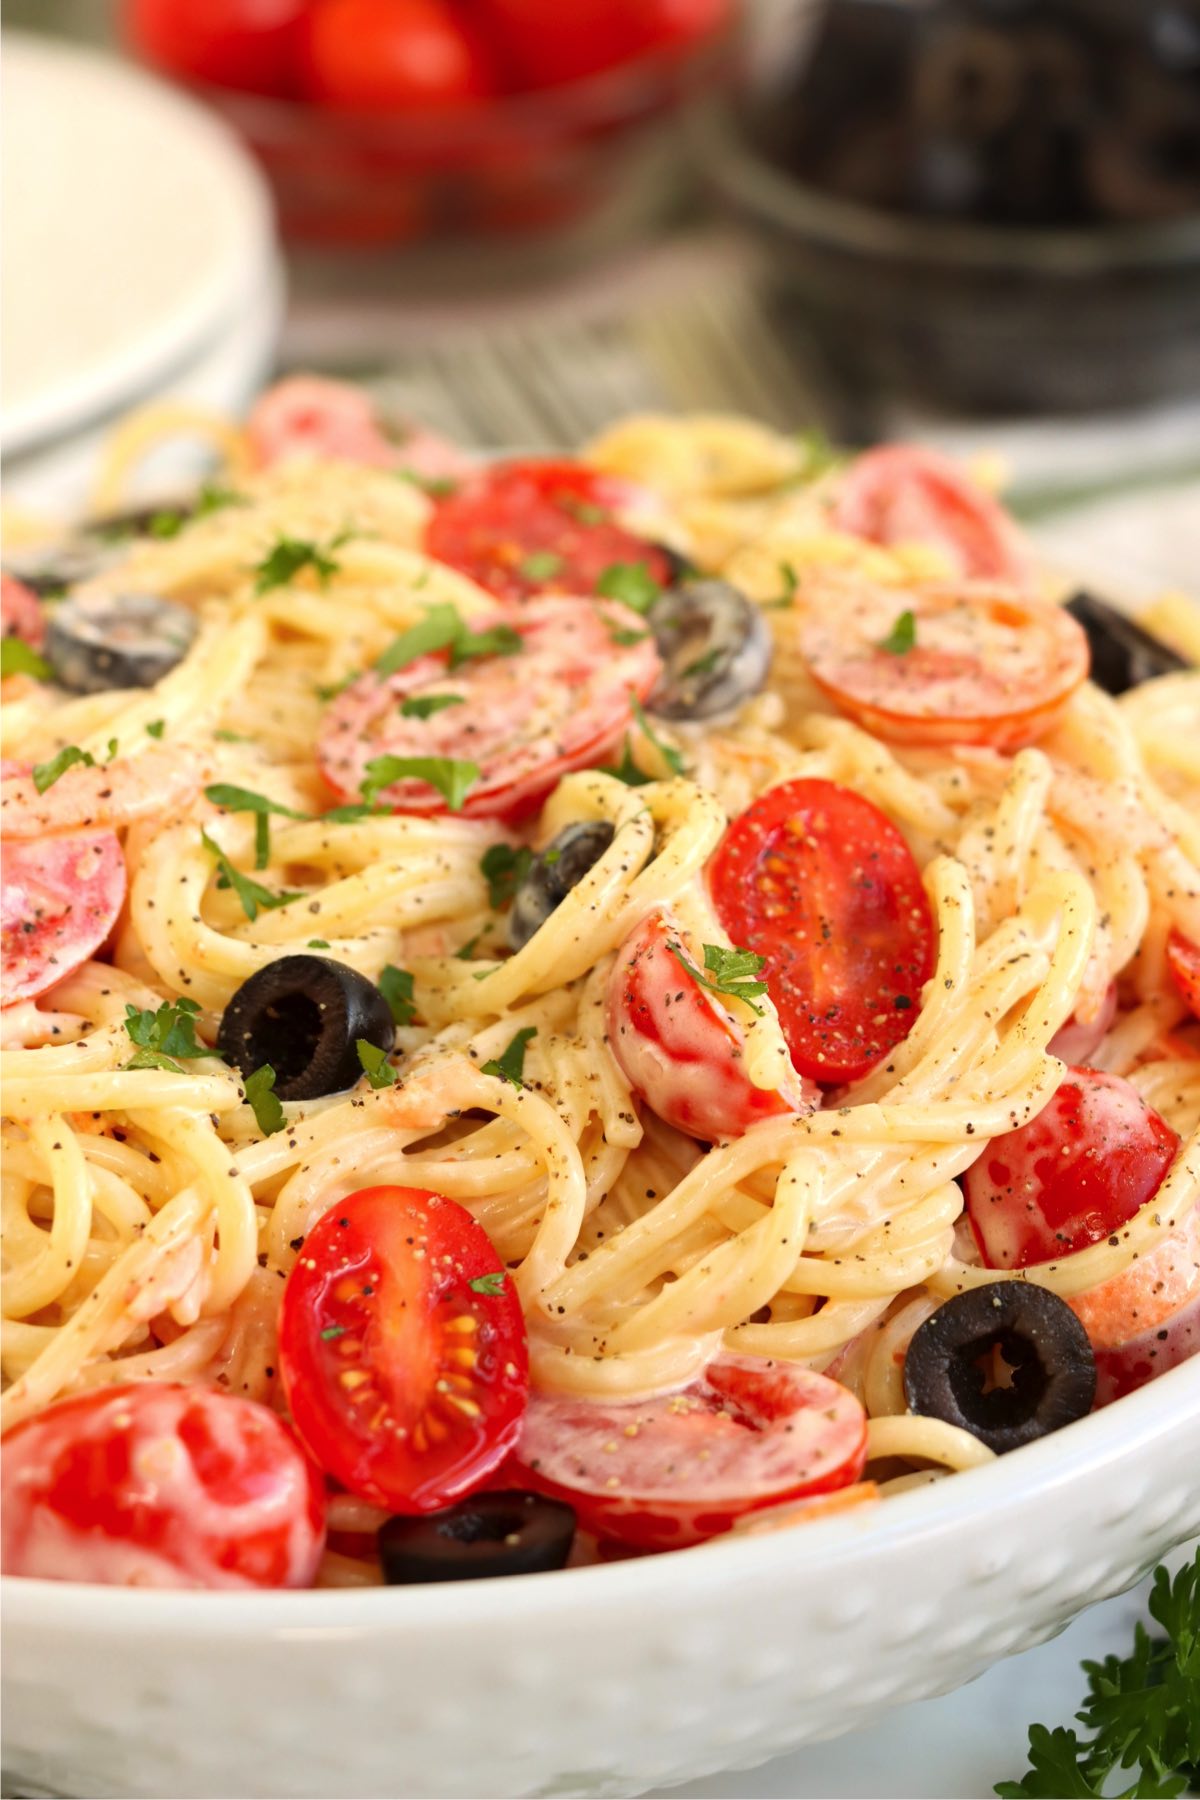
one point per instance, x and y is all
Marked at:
(157, 1485)
(525, 528)
(1091, 1159)
(1183, 960)
(904, 494)
(679, 1047)
(248, 44)
(985, 666)
(663, 1473)
(61, 897)
(406, 1381)
(817, 880)
(562, 702)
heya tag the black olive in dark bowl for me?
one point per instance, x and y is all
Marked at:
(1124, 653)
(304, 1015)
(506, 1532)
(552, 875)
(117, 640)
(1053, 1371)
(715, 646)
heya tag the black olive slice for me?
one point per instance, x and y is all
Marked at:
(715, 645)
(552, 875)
(304, 1016)
(493, 1533)
(1124, 653)
(94, 546)
(1053, 1371)
(117, 640)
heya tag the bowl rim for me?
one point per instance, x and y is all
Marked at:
(733, 167)
(972, 1501)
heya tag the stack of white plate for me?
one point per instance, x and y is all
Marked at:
(140, 263)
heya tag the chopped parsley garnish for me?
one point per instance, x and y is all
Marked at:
(351, 814)
(213, 497)
(1143, 1711)
(504, 867)
(240, 799)
(253, 897)
(452, 779)
(492, 1284)
(511, 1066)
(704, 665)
(790, 580)
(263, 1101)
(819, 453)
(166, 524)
(165, 1038)
(375, 1065)
(333, 1331)
(626, 770)
(672, 758)
(20, 658)
(731, 972)
(540, 565)
(466, 951)
(630, 583)
(585, 512)
(438, 487)
(902, 637)
(396, 986)
(289, 556)
(155, 728)
(46, 774)
(443, 628)
(318, 943)
(423, 706)
(329, 690)
(622, 634)
(232, 737)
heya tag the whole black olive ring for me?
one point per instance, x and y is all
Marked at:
(552, 875)
(117, 640)
(1053, 1371)
(304, 1016)
(715, 645)
(1124, 653)
(501, 1533)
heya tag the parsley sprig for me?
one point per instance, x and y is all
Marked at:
(165, 1038)
(239, 799)
(452, 779)
(444, 628)
(504, 867)
(902, 637)
(374, 1064)
(1142, 1711)
(290, 556)
(46, 774)
(630, 583)
(731, 972)
(396, 986)
(19, 658)
(264, 1101)
(510, 1066)
(491, 1284)
(254, 898)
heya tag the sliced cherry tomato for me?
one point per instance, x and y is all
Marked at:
(819, 882)
(1076, 1041)
(525, 528)
(21, 612)
(1072, 1176)
(680, 1048)
(659, 1474)
(985, 666)
(1183, 960)
(156, 1485)
(560, 702)
(61, 897)
(400, 56)
(902, 494)
(402, 1349)
(545, 44)
(234, 43)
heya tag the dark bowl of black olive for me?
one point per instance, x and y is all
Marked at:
(989, 206)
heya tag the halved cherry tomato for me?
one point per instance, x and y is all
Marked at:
(561, 702)
(818, 881)
(157, 1485)
(20, 612)
(61, 897)
(546, 44)
(525, 528)
(903, 494)
(680, 1048)
(1072, 1176)
(402, 1349)
(986, 666)
(235, 43)
(1183, 960)
(1077, 1042)
(397, 56)
(659, 1474)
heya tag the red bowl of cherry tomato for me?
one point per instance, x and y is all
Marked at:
(385, 122)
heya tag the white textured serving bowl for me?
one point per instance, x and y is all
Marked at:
(604, 1680)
